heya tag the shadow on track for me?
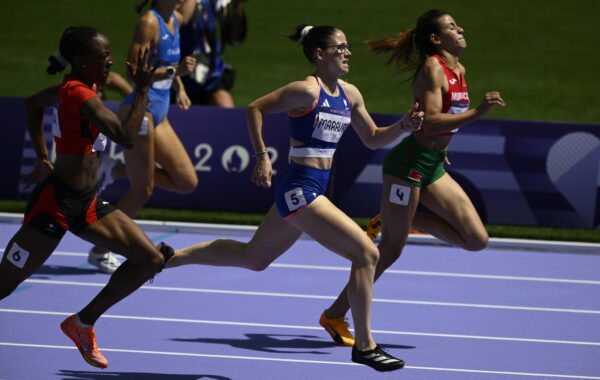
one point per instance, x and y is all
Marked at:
(48, 271)
(308, 344)
(89, 375)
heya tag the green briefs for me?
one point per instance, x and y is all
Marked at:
(412, 162)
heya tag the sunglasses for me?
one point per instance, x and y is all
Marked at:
(341, 48)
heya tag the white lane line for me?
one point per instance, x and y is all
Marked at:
(409, 272)
(297, 327)
(237, 357)
(312, 296)
(446, 274)
(177, 353)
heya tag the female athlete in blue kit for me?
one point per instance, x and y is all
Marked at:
(320, 108)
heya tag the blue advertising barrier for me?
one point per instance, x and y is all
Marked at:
(13, 113)
(515, 172)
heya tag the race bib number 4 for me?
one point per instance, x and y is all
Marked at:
(399, 194)
(294, 199)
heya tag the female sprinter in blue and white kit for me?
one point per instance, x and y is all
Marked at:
(157, 142)
(320, 108)
(413, 171)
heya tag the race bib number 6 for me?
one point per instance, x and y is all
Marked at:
(17, 255)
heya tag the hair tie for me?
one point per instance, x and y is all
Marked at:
(305, 31)
(60, 59)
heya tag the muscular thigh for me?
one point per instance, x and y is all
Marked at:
(333, 229)
(25, 253)
(398, 206)
(274, 236)
(170, 152)
(448, 200)
(118, 233)
(139, 160)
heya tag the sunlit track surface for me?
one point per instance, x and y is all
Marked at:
(450, 314)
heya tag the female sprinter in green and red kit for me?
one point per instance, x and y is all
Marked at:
(413, 171)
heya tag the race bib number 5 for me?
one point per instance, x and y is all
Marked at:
(294, 199)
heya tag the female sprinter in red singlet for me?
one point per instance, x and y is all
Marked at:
(67, 198)
(413, 171)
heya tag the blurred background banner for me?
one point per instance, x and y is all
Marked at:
(515, 172)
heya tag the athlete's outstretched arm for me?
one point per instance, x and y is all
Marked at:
(107, 121)
(368, 132)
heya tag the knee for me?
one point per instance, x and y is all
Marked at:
(258, 266)
(390, 251)
(478, 242)
(143, 193)
(188, 184)
(368, 258)
(152, 263)
(256, 262)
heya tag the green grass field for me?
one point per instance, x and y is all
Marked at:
(541, 55)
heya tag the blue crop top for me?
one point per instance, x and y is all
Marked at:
(321, 128)
(167, 49)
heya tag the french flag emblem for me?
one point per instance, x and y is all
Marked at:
(415, 176)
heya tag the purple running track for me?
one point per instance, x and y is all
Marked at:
(450, 314)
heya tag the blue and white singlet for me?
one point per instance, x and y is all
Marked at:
(319, 130)
(167, 50)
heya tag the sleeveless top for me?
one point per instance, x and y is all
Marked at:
(73, 134)
(321, 128)
(456, 100)
(167, 49)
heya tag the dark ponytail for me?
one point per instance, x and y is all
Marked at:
(141, 5)
(312, 38)
(57, 63)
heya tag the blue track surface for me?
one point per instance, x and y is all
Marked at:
(450, 314)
